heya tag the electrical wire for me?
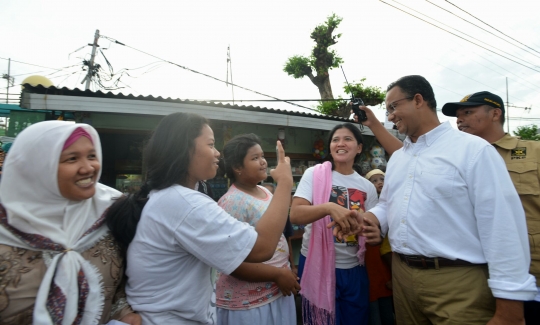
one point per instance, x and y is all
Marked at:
(457, 35)
(487, 31)
(204, 74)
(474, 38)
(485, 66)
(491, 26)
(35, 65)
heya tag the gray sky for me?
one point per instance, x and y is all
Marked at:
(379, 43)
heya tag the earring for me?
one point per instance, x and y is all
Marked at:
(239, 173)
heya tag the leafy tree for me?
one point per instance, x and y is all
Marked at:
(321, 60)
(528, 132)
(371, 95)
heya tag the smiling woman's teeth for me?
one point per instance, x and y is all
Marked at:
(85, 181)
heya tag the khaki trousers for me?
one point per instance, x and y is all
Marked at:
(448, 295)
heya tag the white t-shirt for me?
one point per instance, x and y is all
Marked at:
(182, 234)
(349, 191)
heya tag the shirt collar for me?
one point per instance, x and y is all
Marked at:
(507, 142)
(431, 136)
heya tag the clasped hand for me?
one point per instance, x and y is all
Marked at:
(355, 223)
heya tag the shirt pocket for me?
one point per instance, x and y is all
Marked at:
(525, 177)
(437, 183)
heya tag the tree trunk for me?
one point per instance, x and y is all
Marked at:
(323, 84)
(325, 88)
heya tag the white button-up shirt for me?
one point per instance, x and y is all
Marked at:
(449, 195)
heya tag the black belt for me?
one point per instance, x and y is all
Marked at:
(423, 262)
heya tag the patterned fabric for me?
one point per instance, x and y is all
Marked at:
(56, 299)
(56, 303)
(235, 294)
(32, 240)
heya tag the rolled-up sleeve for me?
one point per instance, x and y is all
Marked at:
(501, 226)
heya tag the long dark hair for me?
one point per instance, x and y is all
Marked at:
(356, 133)
(166, 160)
(236, 150)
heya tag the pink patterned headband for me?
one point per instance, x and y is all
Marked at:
(79, 132)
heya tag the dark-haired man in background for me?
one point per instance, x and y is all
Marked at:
(482, 114)
(449, 207)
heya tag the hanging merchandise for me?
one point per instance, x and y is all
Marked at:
(377, 151)
(319, 151)
(378, 163)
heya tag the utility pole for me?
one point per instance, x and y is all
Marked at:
(507, 109)
(9, 78)
(229, 64)
(88, 77)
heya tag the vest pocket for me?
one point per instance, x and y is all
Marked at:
(525, 177)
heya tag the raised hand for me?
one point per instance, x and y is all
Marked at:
(282, 173)
(371, 118)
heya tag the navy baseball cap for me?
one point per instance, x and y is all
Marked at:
(476, 99)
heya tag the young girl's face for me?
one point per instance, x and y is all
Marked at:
(378, 181)
(254, 168)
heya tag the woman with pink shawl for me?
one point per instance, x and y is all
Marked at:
(333, 277)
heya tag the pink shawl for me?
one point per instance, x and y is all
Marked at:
(319, 278)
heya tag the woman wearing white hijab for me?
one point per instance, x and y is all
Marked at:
(58, 262)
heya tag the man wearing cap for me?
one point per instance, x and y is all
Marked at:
(460, 250)
(482, 114)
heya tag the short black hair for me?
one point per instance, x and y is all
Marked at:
(415, 84)
(236, 150)
(356, 133)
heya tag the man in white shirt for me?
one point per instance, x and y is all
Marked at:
(449, 207)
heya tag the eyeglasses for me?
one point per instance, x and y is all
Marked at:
(392, 105)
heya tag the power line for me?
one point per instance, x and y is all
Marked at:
(476, 39)
(491, 26)
(24, 74)
(537, 89)
(35, 65)
(203, 74)
(457, 35)
(482, 28)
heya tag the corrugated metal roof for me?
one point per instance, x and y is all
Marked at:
(99, 94)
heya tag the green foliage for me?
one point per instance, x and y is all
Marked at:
(528, 132)
(298, 66)
(332, 107)
(321, 59)
(371, 95)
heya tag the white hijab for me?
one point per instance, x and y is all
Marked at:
(31, 197)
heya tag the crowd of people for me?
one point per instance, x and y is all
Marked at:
(448, 234)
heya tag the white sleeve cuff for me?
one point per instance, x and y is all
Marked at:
(514, 291)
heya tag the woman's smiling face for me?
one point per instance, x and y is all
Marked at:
(78, 170)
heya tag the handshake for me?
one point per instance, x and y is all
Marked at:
(351, 222)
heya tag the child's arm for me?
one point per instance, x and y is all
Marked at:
(285, 279)
(291, 257)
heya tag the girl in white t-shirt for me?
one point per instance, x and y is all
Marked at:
(174, 235)
(253, 293)
(334, 279)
